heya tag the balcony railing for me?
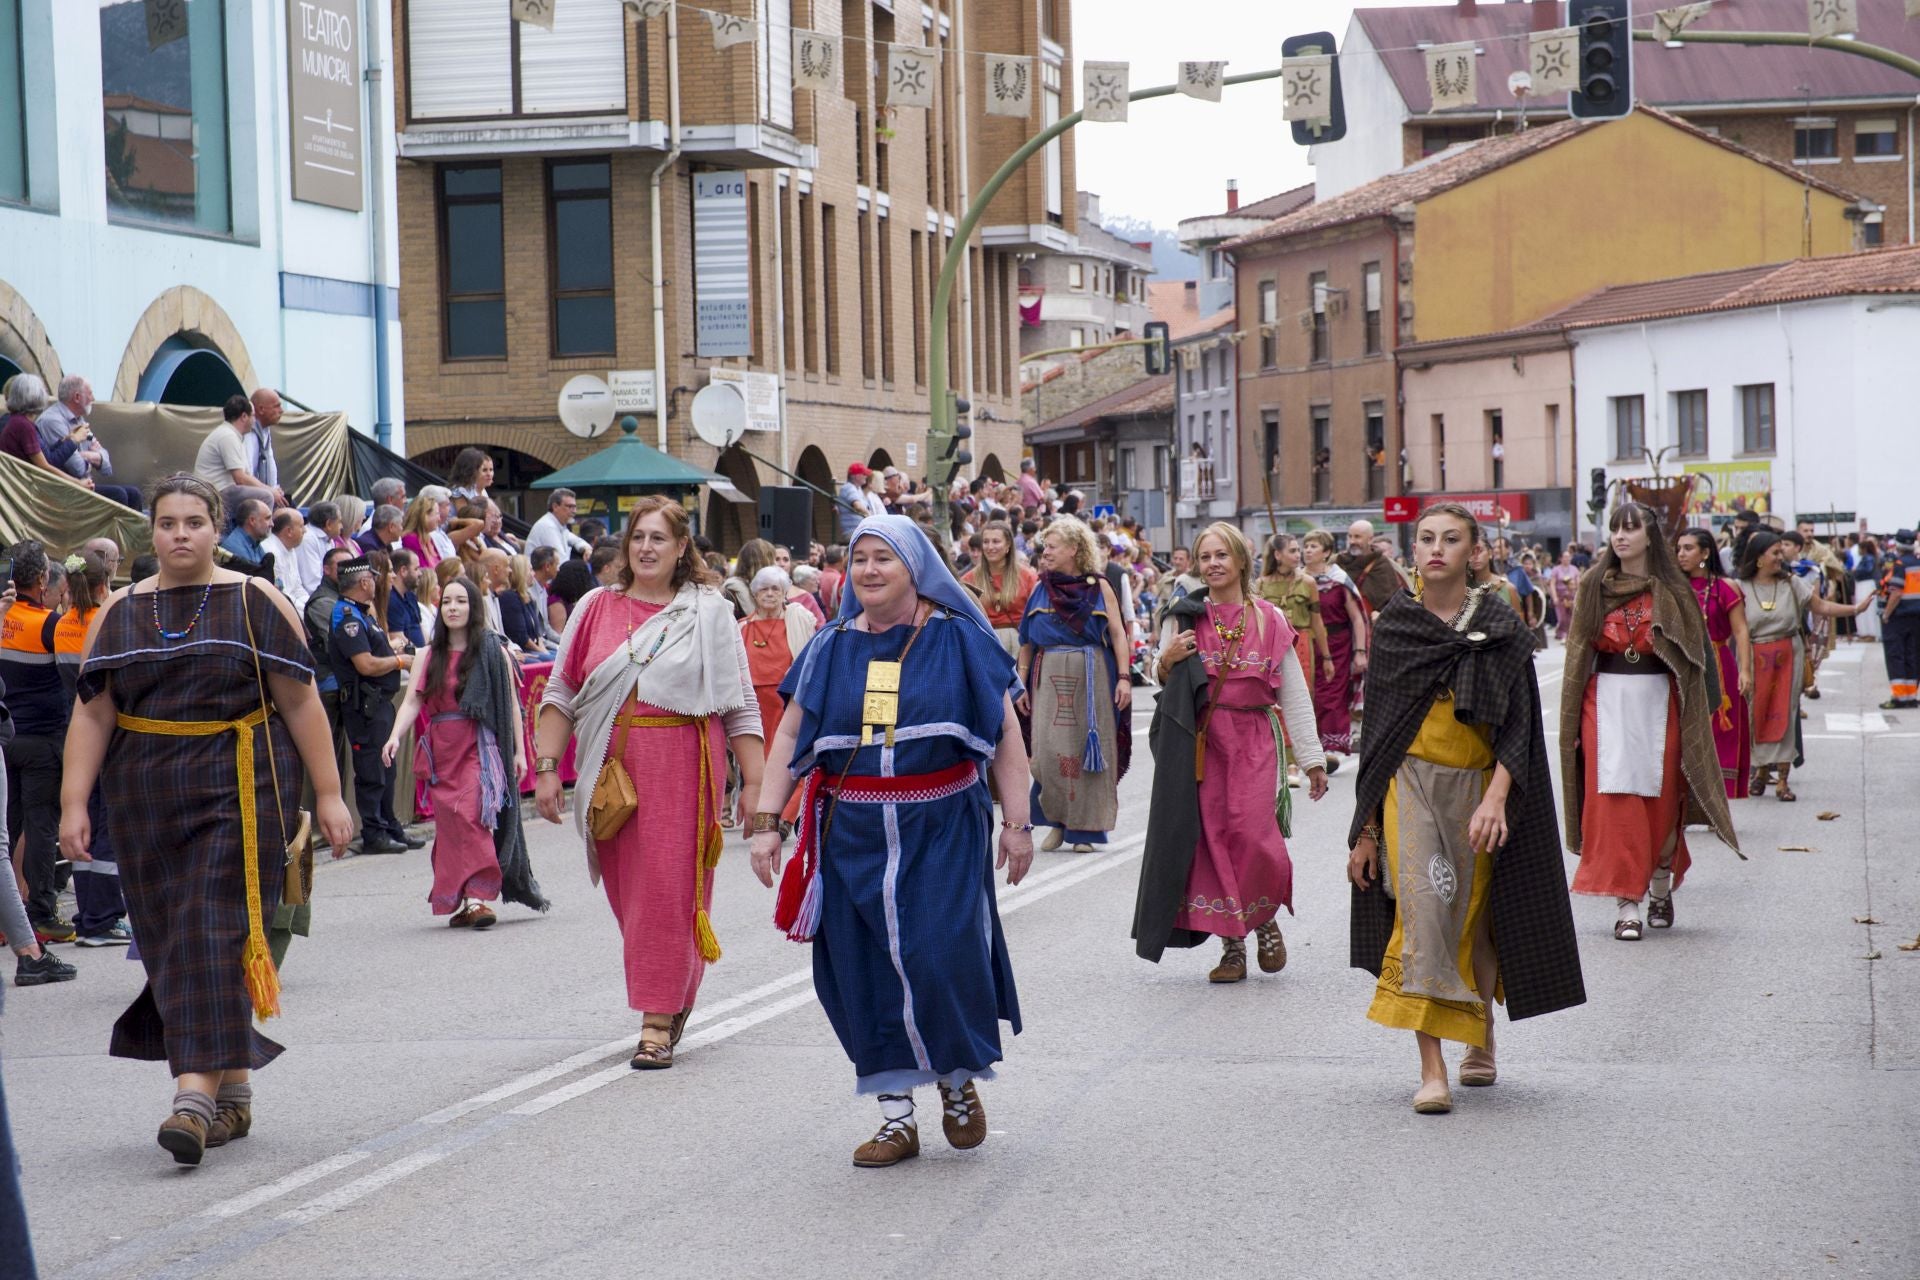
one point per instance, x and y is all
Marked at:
(1196, 480)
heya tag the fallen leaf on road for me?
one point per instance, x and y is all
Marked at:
(1796, 848)
(1911, 946)
(1871, 955)
(1828, 816)
(1865, 920)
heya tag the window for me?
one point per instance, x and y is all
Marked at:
(473, 275)
(830, 274)
(864, 219)
(1756, 417)
(1439, 422)
(883, 261)
(809, 304)
(1223, 466)
(1162, 464)
(1216, 265)
(918, 270)
(1322, 454)
(1873, 231)
(1078, 338)
(1076, 276)
(1690, 423)
(1191, 376)
(580, 252)
(1815, 140)
(1438, 137)
(1269, 317)
(1877, 139)
(1270, 441)
(776, 63)
(1371, 274)
(166, 118)
(1206, 366)
(1127, 469)
(1376, 450)
(1317, 290)
(13, 105)
(1050, 116)
(787, 242)
(1629, 426)
(1076, 463)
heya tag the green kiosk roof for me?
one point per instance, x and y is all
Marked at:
(630, 464)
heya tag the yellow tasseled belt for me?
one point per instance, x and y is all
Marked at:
(263, 981)
(708, 841)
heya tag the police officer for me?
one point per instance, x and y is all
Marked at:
(1900, 624)
(369, 672)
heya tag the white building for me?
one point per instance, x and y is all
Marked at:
(1794, 388)
(190, 210)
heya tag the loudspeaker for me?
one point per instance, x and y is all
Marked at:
(786, 517)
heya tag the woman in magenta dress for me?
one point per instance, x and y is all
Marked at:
(467, 691)
(1245, 678)
(1344, 616)
(652, 673)
(1726, 612)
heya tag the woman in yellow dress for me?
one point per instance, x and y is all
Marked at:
(1455, 841)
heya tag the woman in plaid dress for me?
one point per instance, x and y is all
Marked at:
(167, 688)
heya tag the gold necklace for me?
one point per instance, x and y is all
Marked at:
(1766, 606)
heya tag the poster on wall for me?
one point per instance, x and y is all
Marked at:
(323, 101)
(1728, 488)
(722, 266)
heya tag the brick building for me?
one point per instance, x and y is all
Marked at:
(1093, 291)
(527, 227)
(1848, 120)
(1485, 237)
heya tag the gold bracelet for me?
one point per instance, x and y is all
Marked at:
(763, 822)
(546, 764)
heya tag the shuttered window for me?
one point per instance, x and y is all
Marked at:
(579, 67)
(776, 62)
(458, 66)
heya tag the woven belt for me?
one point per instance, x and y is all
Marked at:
(1618, 664)
(256, 962)
(656, 722)
(907, 789)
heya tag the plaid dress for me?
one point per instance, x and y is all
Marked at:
(176, 819)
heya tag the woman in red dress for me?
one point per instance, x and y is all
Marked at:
(1344, 617)
(776, 633)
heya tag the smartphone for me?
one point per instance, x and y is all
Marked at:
(6, 572)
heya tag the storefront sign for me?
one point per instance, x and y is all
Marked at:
(761, 391)
(1727, 488)
(1489, 506)
(1401, 510)
(722, 267)
(323, 101)
(632, 390)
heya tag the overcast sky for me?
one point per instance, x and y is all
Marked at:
(1172, 158)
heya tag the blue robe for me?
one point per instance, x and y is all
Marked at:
(909, 959)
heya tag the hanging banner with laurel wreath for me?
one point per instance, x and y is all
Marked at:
(647, 10)
(1009, 85)
(729, 29)
(1103, 92)
(1828, 18)
(1202, 80)
(1553, 61)
(537, 13)
(1669, 23)
(1307, 85)
(816, 61)
(1452, 77)
(910, 76)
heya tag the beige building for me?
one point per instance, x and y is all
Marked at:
(798, 232)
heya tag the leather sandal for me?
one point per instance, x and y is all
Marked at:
(655, 1050)
(1626, 931)
(679, 1028)
(1233, 961)
(896, 1140)
(1660, 912)
(1433, 1099)
(1757, 785)
(1784, 793)
(1272, 948)
(962, 1118)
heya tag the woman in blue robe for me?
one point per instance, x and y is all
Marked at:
(895, 714)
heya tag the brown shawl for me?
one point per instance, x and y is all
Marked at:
(1679, 641)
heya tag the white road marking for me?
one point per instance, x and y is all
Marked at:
(280, 1187)
(1850, 722)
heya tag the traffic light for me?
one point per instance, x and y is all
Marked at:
(1159, 357)
(945, 456)
(1598, 501)
(1308, 132)
(1605, 90)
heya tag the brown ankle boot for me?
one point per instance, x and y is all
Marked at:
(1233, 961)
(185, 1136)
(232, 1120)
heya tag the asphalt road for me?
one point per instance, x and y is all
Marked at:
(1739, 1098)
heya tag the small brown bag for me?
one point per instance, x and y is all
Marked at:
(614, 800)
(297, 885)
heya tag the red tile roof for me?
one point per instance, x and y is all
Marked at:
(1176, 304)
(1459, 165)
(1891, 270)
(1694, 75)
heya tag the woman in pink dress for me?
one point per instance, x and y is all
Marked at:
(651, 674)
(1227, 662)
(1564, 581)
(1720, 600)
(1344, 616)
(467, 691)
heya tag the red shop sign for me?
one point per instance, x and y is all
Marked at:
(1401, 510)
(1488, 506)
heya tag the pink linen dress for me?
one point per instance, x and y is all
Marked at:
(647, 869)
(1241, 874)
(464, 862)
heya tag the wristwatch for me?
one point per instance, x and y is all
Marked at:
(546, 764)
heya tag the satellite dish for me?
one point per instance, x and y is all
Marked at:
(719, 414)
(586, 406)
(1520, 84)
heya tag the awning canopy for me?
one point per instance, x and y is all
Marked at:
(631, 466)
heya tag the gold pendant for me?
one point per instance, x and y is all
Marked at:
(880, 708)
(1766, 606)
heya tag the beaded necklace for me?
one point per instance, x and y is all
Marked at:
(165, 634)
(1227, 634)
(652, 653)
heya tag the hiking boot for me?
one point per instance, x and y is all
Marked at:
(185, 1135)
(1233, 961)
(48, 968)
